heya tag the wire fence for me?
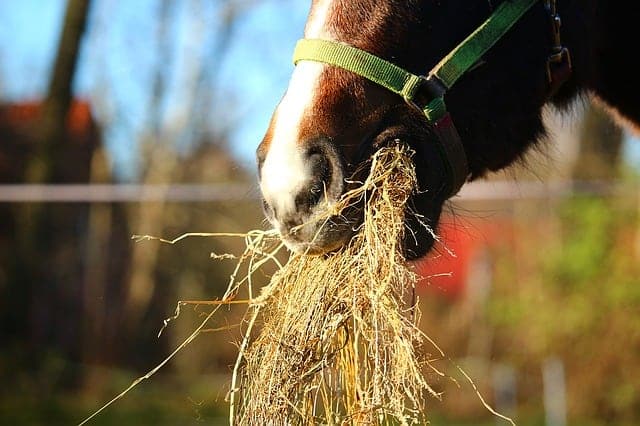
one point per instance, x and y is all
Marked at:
(107, 193)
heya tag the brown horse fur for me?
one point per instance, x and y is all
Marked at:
(497, 107)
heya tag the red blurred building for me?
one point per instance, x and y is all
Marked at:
(463, 250)
(19, 127)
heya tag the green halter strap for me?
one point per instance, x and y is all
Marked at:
(415, 89)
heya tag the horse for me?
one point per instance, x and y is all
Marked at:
(331, 119)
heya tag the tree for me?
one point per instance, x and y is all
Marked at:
(47, 262)
(45, 163)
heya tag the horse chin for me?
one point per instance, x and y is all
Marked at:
(318, 238)
(328, 236)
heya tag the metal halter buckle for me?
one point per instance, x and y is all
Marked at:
(559, 65)
(430, 88)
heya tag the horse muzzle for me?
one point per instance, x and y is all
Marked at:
(300, 186)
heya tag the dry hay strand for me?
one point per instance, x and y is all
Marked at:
(338, 342)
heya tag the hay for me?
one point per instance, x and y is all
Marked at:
(338, 342)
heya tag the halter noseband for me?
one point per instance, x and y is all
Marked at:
(426, 93)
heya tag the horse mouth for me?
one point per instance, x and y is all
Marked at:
(331, 224)
(325, 238)
(320, 233)
(330, 221)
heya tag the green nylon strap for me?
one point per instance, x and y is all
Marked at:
(376, 69)
(435, 110)
(404, 83)
(467, 53)
(371, 67)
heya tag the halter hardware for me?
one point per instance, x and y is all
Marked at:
(559, 66)
(426, 93)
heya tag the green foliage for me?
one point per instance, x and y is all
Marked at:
(577, 296)
(587, 226)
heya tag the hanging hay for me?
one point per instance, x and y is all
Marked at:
(338, 341)
(336, 338)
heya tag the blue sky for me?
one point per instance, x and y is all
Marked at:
(119, 58)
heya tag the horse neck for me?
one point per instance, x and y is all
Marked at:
(601, 35)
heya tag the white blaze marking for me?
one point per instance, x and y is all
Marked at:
(316, 26)
(285, 172)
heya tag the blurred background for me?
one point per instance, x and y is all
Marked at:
(142, 116)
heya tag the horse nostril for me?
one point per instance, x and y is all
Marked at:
(291, 224)
(309, 197)
(295, 185)
(320, 178)
(320, 169)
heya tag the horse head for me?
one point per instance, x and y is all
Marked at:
(331, 120)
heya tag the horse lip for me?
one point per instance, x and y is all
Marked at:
(321, 232)
(319, 236)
